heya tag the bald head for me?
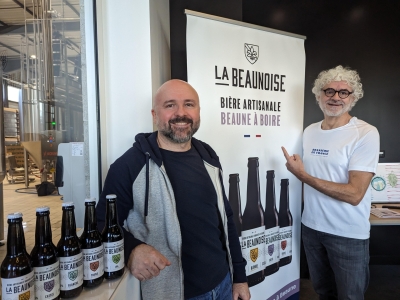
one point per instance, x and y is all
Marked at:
(176, 111)
(173, 87)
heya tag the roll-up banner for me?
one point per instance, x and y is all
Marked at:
(250, 81)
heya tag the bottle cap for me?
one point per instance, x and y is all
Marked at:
(14, 216)
(67, 204)
(111, 196)
(42, 209)
(89, 200)
(253, 160)
(285, 181)
(234, 178)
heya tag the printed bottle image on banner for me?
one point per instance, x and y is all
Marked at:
(271, 228)
(234, 201)
(285, 225)
(253, 229)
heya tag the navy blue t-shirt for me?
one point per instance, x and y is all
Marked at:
(204, 258)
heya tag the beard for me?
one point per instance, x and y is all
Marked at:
(334, 113)
(179, 135)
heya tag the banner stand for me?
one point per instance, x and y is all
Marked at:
(250, 80)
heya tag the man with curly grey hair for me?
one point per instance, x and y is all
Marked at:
(340, 155)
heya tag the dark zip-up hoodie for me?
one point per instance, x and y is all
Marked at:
(147, 212)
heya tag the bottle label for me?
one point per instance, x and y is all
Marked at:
(253, 249)
(47, 281)
(93, 263)
(22, 287)
(271, 246)
(71, 272)
(285, 243)
(114, 259)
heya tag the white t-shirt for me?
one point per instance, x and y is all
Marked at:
(330, 155)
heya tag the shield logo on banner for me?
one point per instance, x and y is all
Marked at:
(72, 275)
(116, 258)
(25, 296)
(251, 53)
(254, 254)
(283, 244)
(94, 265)
(48, 286)
(271, 249)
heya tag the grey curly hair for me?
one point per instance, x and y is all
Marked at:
(339, 74)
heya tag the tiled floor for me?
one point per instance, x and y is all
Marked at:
(27, 203)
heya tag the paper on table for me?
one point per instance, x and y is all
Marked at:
(384, 213)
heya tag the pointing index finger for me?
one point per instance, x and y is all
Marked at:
(285, 153)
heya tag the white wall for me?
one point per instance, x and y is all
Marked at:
(134, 59)
(160, 42)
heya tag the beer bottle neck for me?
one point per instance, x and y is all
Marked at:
(90, 218)
(68, 226)
(234, 196)
(234, 201)
(270, 195)
(43, 233)
(111, 214)
(15, 239)
(284, 197)
(253, 184)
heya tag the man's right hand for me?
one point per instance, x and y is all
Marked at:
(145, 262)
(294, 165)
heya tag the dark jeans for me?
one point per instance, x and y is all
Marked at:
(338, 265)
(222, 291)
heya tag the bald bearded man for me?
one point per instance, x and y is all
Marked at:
(179, 232)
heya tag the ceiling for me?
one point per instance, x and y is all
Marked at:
(16, 27)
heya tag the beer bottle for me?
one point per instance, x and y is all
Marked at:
(23, 238)
(253, 228)
(285, 225)
(17, 276)
(44, 258)
(271, 228)
(113, 239)
(70, 255)
(92, 248)
(234, 201)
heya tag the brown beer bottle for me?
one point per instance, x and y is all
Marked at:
(70, 255)
(92, 248)
(113, 241)
(253, 229)
(285, 225)
(23, 238)
(234, 201)
(17, 276)
(271, 228)
(44, 258)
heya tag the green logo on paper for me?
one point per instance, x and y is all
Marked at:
(116, 258)
(72, 275)
(392, 179)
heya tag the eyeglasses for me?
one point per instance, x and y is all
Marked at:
(343, 94)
